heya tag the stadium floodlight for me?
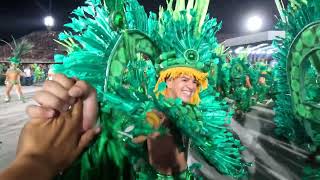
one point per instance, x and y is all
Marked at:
(48, 22)
(254, 23)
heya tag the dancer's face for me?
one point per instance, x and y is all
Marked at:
(182, 87)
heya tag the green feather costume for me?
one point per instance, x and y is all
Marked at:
(241, 93)
(297, 106)
(38, 73)
(123, 53)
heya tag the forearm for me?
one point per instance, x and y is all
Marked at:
(27, 168)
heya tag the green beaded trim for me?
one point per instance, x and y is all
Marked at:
(184, 175)
(164, 177)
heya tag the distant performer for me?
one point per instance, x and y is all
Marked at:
(13, 74)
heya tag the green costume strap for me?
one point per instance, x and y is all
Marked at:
(185, 175)
(164, 177)
(13, 82)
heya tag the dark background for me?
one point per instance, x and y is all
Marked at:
(20, 17)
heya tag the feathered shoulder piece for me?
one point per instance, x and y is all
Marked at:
(297, 73)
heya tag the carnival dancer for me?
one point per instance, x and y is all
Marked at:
(13, 74)
(153, 92)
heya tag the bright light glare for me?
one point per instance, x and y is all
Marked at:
(270, 51)
(238, 50)
(254, 23)
(48, 21)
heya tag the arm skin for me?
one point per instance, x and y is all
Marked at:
(27, 168)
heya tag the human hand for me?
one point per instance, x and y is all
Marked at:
(165, 156)
(59, 94)
(163, 151)
(262, 80)
(57, 142)
(155, 119)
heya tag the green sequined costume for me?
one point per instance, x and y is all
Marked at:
(297, 106)
(123, 53)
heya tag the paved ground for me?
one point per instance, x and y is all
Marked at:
(273, 159)
(12, 119)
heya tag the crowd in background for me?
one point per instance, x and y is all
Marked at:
(32, 73)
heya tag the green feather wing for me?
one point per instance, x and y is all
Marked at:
(101, 55)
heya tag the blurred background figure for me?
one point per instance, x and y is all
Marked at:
(3, 69)
(27, 80)
(38, 73)
(50, 72)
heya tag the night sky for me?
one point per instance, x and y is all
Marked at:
(20, 17)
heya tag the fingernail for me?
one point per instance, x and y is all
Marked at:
(74, 79)
(50, 113)
(72, 100)
(66, 107)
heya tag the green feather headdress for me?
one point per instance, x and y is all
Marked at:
(19, 49)
(187, 40)
(187, 35)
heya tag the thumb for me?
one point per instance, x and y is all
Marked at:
(86, 138)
